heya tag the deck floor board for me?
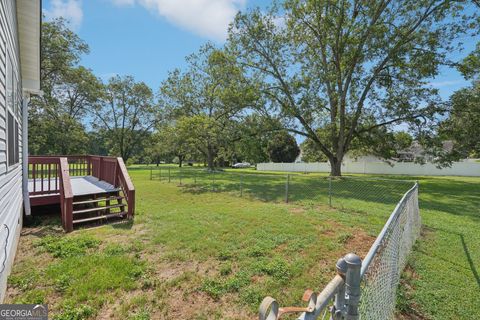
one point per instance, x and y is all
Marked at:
(82, 185)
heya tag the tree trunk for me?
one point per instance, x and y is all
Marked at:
(335, 167)
(210, 158)
(180, 161)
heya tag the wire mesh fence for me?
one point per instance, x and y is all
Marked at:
(363, 289)
(346, 192)
(382, 267)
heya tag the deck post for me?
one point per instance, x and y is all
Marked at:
(100, 171)
(89, 172)
(68, 214)
(131, 204)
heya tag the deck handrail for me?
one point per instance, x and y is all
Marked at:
(126, 184)
(52, 173)
(66, 194)
(109, 169)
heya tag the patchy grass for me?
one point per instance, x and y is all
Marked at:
(194, 254)
(442, 281)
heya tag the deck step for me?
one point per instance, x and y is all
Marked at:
(102, 217)
(98, 200)
(100, 208)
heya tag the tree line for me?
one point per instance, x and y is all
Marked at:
(342, 75)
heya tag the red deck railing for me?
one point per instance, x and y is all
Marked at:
(49, 180)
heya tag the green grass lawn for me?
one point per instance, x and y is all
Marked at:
(196, 254)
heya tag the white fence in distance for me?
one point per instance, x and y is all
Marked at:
(466, 168)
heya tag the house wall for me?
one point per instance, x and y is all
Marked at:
(11, 200)
(465, 168)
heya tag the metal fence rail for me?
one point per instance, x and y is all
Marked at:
(363, 289)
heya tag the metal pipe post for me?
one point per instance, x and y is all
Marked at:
(330, 191)
(352, 285)
(339, 307)
(241, 185)
(287, 184)
(213, 180)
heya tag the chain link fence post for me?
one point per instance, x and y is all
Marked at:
(169, 175)
(151, 173)
(160, 174)
(213, 180)
(241, 185)
(194, 177)
(352, 285)
(287, 185)
(338, 309)
(330, 191)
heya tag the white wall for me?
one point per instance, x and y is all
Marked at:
(404, 168)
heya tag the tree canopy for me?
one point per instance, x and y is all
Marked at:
(339, 75)
(210, 97)
(347, 68)
(283, 147)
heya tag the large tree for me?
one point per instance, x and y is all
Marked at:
(69, 93)
(346, 68)
(462, 126)
(127, 114)
(210, 97)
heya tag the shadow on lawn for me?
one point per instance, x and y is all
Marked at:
(459, 198)
(302, 188)
(466, 251)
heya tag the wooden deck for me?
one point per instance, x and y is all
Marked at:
(81, 185)
(87, 188)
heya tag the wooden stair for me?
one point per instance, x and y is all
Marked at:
(98, 208)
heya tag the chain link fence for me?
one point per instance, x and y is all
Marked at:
(382, 267)
(356, 193)
(363, 289)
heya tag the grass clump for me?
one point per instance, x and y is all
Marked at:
(71, 312)
(63, 246)
(215, 288)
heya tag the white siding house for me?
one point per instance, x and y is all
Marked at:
(19, 78)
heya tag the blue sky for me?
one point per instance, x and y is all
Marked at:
(148, 38)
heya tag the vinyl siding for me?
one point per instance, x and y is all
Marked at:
(11, 202)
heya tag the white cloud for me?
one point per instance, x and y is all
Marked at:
(70, 10)
(208, 18)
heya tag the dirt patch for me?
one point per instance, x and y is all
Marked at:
(297, 210)
(359, 243)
